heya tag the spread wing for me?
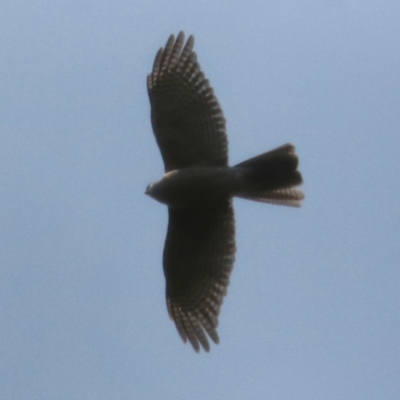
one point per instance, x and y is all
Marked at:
(198, 258)
(187, 120)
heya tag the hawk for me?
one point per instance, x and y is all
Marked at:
(198, 188)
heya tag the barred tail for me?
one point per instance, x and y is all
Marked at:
(271, 177)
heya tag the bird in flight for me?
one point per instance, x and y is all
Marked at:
(198, 188)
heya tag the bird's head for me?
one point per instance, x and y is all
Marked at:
(163, 189)
(151, 189)
(148, 189)
(156, 191)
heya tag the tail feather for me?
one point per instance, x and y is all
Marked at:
(284, 197)
(270, 177)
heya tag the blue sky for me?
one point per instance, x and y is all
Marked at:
(313, 308)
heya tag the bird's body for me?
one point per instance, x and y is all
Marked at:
(198, 188)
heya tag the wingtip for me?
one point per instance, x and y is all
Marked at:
(181, 35)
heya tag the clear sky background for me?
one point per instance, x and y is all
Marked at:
(313, 309)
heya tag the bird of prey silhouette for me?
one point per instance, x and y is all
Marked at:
(198, 187)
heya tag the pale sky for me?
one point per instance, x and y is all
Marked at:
(313, 308)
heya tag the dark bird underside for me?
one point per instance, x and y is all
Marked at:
(198, 188)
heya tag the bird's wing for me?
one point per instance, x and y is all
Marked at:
(187, 120)
(198, 258)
